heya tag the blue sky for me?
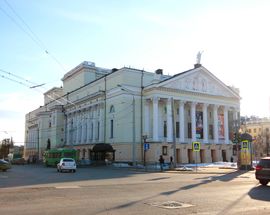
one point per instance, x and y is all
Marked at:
(147, 34)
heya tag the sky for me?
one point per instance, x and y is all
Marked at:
(42, 40)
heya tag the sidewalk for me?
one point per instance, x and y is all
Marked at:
(205, 170)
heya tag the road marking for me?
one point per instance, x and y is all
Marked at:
(3, 176)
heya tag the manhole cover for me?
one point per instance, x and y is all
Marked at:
(170, 205)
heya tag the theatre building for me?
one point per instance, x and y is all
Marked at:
(114, 113)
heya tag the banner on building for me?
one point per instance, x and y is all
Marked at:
(199, 124)
(221, 126)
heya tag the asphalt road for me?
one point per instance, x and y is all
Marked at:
(105, 190)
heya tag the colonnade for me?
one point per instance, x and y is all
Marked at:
(217, 113)
(85, 125)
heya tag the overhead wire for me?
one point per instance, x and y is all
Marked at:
(22, 82)
(27, 30)
(30, 33)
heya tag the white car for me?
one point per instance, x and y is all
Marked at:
(68, 164)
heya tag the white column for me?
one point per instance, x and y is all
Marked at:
(88, 138)
(101, 121)
(74, 129)
(181, 121)
(155, 119)
(205, 123)
(68, 131)
(83, 126)
(169, 120)
(226, 125)
(235, 114)
(146, 118)
(78, 128)
(215, 115)
(94, 136)
(193, 121)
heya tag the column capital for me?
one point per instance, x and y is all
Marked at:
(169, 99)
(155, 99)
(215, 106)
(226, 108)
(193, 104)
(182, 102)
(205, 105)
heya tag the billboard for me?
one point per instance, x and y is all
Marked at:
(221, 126)
(199, 124)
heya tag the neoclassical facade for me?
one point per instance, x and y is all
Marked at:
(117, 113)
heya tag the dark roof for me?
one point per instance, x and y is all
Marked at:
(103, 147)
(246, 136)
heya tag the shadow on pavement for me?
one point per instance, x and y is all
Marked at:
(33, 175)
(207, 180)
(225, 177)
(261, 193)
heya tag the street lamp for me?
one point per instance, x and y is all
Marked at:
(144, 151)
(133, 122)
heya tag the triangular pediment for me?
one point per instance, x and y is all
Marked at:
(199, 80)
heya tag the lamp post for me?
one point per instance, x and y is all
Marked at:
(133, 123)
(144, 151)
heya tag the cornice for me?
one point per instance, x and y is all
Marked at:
(184, 92)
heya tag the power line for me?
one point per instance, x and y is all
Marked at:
(18, 82)
(27, 30)
(18, 77)
(36, 38)
(34, 86)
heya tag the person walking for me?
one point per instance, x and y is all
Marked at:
(171, 162)
(161, 162)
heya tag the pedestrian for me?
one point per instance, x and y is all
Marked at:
(171, 162)
(161, 162)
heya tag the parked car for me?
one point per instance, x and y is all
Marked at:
(262, 172)
(4, 165)
(66, 164)
(19, 161)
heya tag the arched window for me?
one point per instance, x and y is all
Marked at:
(112, 109)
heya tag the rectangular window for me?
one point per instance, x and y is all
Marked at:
(98, 130)
(189, 130)
(211, 132)
(165, 129)
(164, 150)
(254, 130)
(177, 130)
(111, 136)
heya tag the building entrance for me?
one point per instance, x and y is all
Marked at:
(214, 155)
(190, 156)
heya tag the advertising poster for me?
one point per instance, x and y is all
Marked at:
(199, 124)
(245, 153)
(221, 126)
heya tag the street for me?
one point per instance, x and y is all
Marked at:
(33, 189)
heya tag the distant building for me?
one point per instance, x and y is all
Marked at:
(107, 113)
(259, 129)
